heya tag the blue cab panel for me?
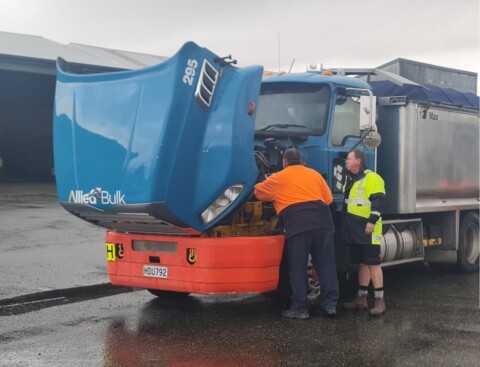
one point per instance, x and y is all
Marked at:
(150, 150)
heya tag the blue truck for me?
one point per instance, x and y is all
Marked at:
(166, 158)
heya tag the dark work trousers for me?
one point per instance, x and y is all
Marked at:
(284, 291)
(319, 243)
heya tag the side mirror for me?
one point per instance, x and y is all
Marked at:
(373, 139)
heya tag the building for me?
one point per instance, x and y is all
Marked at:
(27, 89)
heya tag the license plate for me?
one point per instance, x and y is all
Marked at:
(155, 271)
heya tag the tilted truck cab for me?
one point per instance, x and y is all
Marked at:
(166, 158)
(152, 150)
(163, 151)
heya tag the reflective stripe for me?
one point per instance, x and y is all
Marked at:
(359, 205)
(358, 201)
(360, 188)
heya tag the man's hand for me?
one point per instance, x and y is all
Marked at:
(369, 228)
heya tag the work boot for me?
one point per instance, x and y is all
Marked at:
(359, 303)
(379, 308)
(290, 314)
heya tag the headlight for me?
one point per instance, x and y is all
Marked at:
(221, 203)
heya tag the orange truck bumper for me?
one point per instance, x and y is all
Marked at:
(195, 264)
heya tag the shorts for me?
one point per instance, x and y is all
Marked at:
(364, 254)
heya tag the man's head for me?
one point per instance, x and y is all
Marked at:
(355, 161)
(291, 157)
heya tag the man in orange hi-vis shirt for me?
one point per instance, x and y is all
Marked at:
(301, 197)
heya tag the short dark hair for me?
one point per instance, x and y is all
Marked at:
(360, 155)
(292, 156)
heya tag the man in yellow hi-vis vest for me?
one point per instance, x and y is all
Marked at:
(365, 202)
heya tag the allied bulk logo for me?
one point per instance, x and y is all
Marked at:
(96, 196)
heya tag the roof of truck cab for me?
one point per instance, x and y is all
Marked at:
(318, 78)
(386, 88)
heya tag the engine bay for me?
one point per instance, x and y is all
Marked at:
(256, 218)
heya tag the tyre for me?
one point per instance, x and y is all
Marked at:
(468, 243)
(167, 294)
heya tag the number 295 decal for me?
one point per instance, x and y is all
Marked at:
(190, 71)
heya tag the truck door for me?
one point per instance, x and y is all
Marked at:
(344, 136)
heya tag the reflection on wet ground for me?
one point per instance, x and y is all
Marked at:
(432, 319)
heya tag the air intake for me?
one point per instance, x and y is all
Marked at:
(206, 85)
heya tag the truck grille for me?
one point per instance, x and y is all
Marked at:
(132, 224)
(151, 218)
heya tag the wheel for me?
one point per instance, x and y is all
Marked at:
(167, 294)
(468, 244)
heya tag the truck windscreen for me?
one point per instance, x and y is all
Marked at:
(290, 108)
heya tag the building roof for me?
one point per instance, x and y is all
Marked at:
(434, 75)
(16, 50)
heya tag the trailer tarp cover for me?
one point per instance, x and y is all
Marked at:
(426, 93)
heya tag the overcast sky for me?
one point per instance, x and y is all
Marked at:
(336, 33)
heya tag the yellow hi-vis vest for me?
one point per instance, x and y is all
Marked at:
(358, 203)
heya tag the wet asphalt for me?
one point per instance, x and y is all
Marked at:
(42, 246)
(57, 310)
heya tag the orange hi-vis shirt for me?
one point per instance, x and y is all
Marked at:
(294, 184)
